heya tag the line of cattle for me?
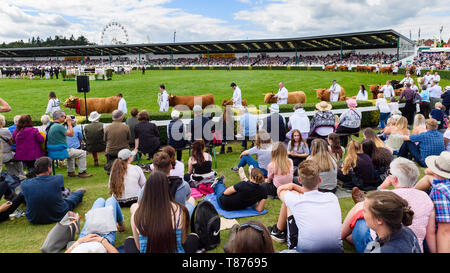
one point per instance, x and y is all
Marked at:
(368, 68)
(107, 105)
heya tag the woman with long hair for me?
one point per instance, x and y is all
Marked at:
(199, 164)
(280, 170)
(251, 237)
(335, 148)
(358, 170)
(159, 223)
(362, 93)
(395, 134)
(126, 180)
(419, 125)
(328, 167)
(389, 215)
(263, 151)
(381, 159)
(297, 148)
(28, 142)
(370, 134)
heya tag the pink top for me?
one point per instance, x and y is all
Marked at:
(278, 179)
(422, 206)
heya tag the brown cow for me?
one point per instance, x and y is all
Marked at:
(398, 92)
(230, 102)
(342, 68)
(293, 98)
(369, 68)
(330, 67)
(387, 69)
(324, 94)
(205, 100)
(101, 105)
(375, 89)
(360, 68)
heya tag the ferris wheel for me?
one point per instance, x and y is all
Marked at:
(114, 34)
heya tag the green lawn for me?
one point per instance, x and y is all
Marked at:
(30, 97)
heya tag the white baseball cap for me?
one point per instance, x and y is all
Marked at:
(124, 154)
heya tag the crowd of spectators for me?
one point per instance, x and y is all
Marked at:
(433, 61)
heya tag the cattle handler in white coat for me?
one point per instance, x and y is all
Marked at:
(282, 95)
(335, 90)
(163, 99)
(237, 96)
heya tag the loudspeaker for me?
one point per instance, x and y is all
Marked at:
(83, 84)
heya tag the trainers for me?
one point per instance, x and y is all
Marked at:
(84, 175)
(235, 169)
(217, 180)
(17, 214)
(277, 235)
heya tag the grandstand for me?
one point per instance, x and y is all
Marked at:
(385, 46)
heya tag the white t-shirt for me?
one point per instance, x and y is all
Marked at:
(447, 135)
(435, 91)
(388, 91)
(383, 105)
(318, 218)
(134, 180)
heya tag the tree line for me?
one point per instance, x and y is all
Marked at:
(48, 42)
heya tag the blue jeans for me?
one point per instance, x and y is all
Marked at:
(74, 199)
(101, 203)
(383, 120)
(361, 235)
(249, 160)
(409, 147)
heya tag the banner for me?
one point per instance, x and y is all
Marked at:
(74, 58)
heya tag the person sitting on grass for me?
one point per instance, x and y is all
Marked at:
(429, 143)
(159, 223)
(43, 195)
(328, 167)
(179, 189)
(297, 148)
(420, 125)
(335, 148)
(199, 165)
(312, 218)
(358, 170)
(263, 151)
(14, 201)
(389, 215)
(395, 134)
(280, 170)
(438, 115)
(370, 134)
(381, 158)
(404, 174)
(177, 167)
(126, 180)
(440, 194)
(243, 194)
(251, 237)
(100, 242)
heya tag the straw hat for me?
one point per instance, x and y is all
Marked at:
(439, 165)
(323, 106)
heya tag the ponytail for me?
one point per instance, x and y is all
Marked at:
(257, 176)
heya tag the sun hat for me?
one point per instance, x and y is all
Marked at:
(175, 114)
(124, 154)
(323, 106)
(117, 114)
(94, 116)
(274, 108)
(439, 165)
(352, 103)
(197, 108)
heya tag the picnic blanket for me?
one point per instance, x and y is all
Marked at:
(248, 212)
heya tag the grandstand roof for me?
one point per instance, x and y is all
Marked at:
(348, 41)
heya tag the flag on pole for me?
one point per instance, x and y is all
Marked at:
(419, 33)
(410, 35)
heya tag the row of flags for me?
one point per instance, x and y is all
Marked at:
(440, 32)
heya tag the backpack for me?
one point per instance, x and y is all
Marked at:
(205, 222)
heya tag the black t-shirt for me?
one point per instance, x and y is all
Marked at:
(247, 194)
(364, 168)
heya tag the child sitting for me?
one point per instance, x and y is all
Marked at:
(438, 115)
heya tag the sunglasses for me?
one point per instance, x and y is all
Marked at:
(255, 227)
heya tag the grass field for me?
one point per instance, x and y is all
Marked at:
(30, 97)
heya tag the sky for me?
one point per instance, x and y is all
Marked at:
(213, 20)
